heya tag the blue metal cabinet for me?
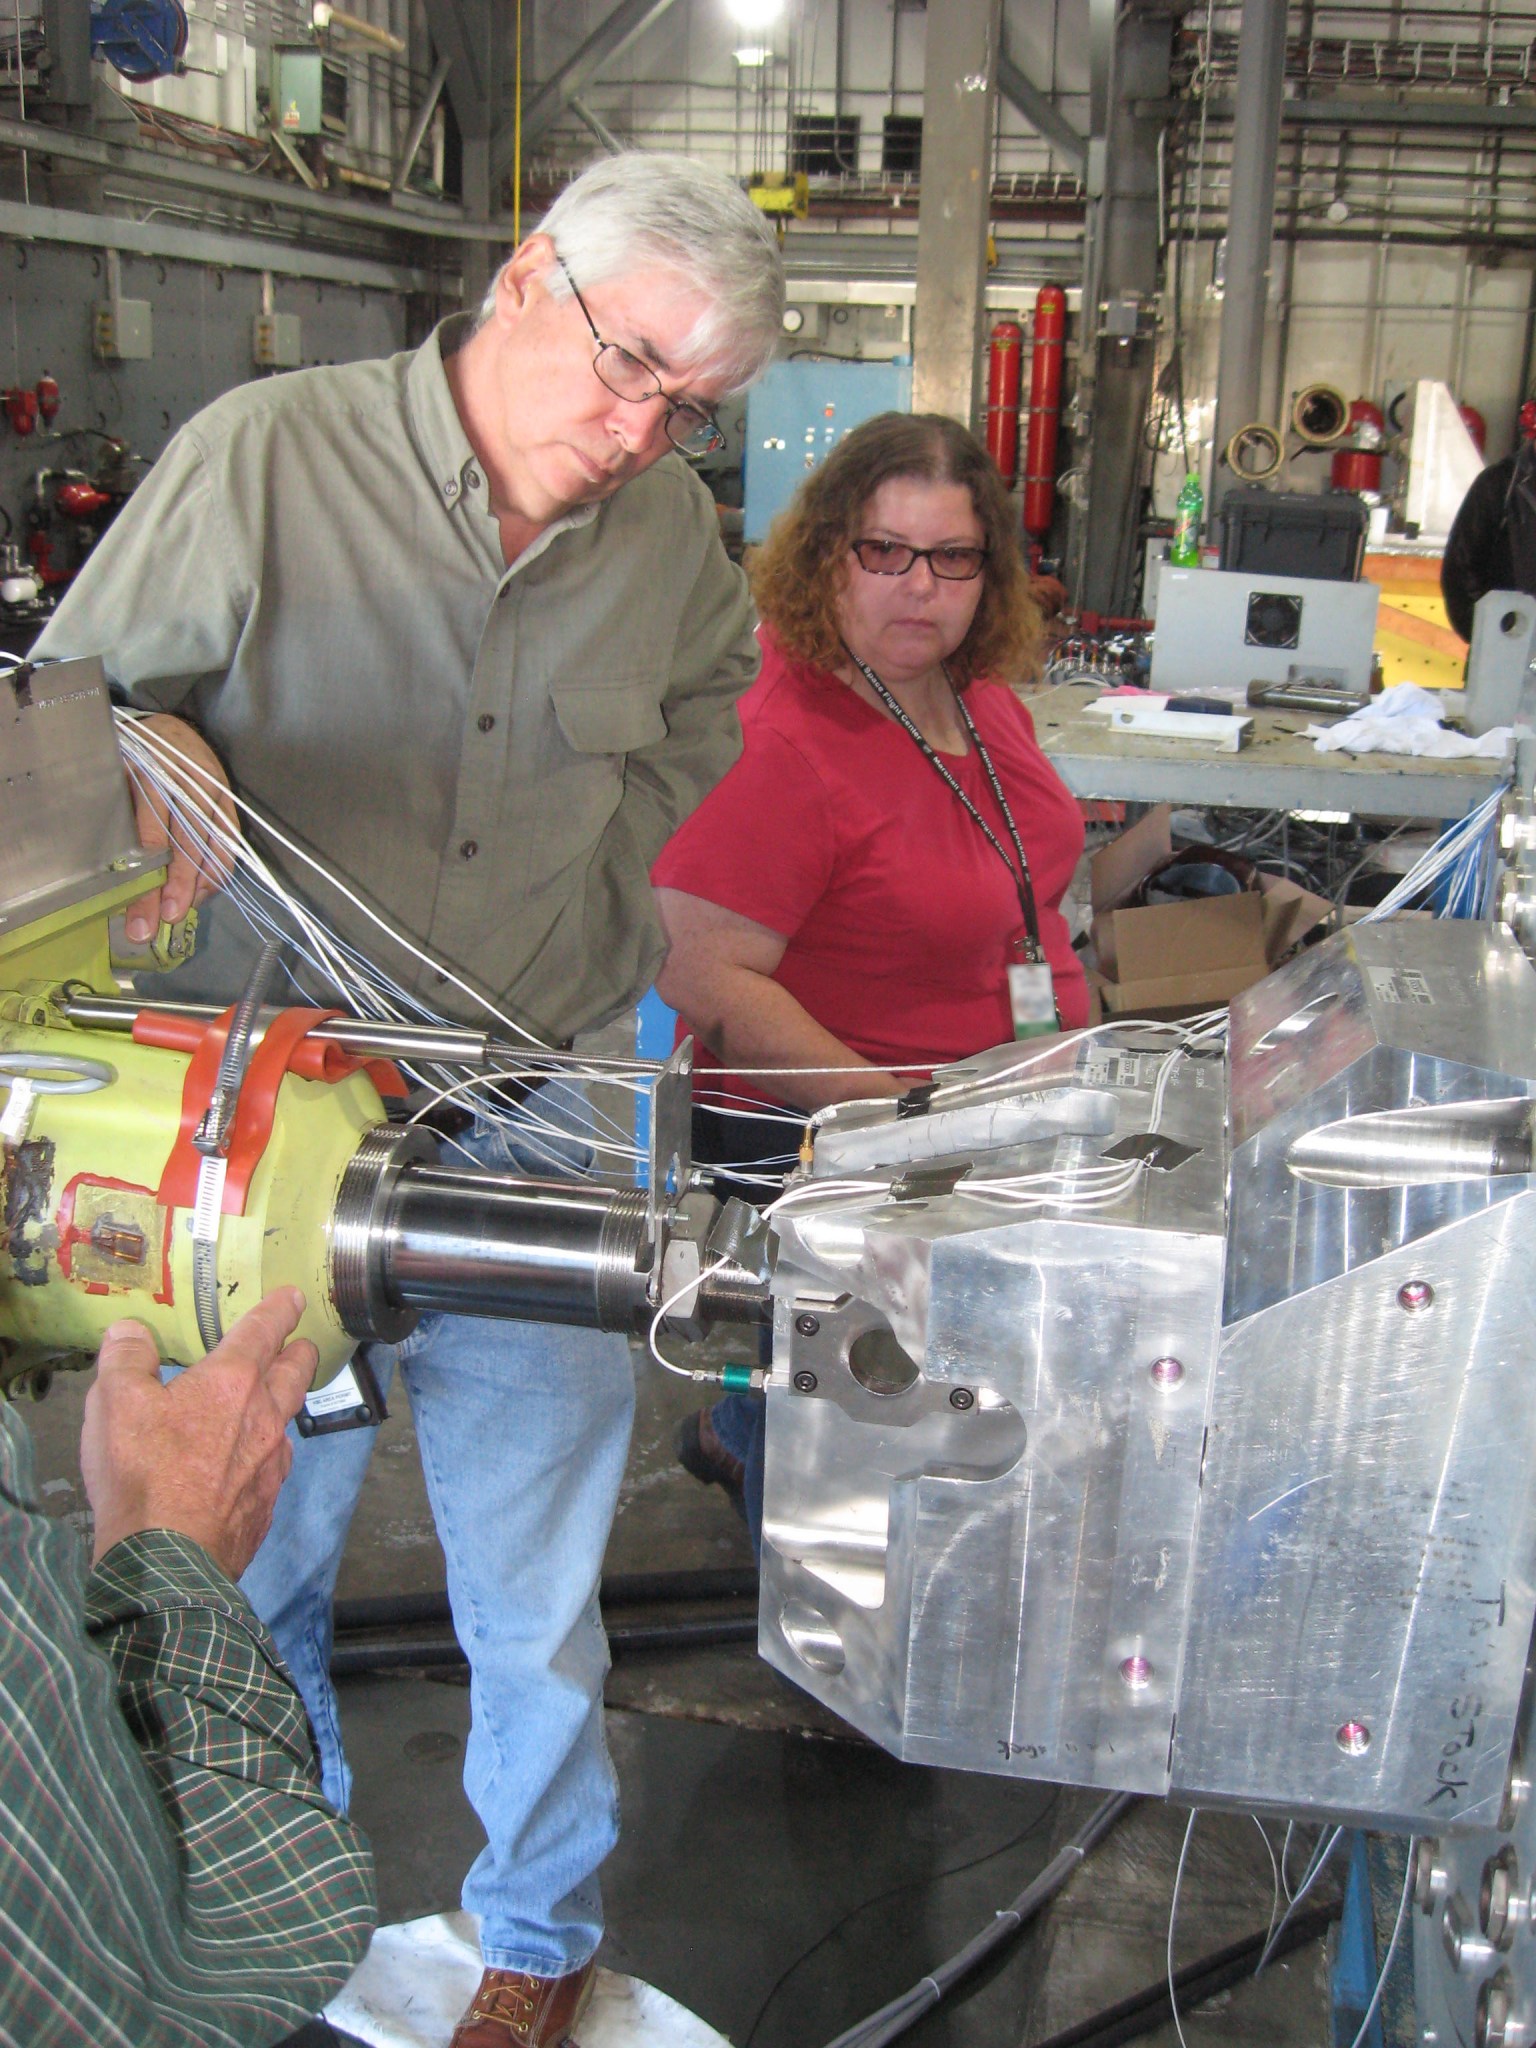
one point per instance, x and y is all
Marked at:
(798, 413)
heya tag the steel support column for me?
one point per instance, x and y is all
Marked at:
(1250, 224)
(67, 26)
(1115, 356)
(470, 36)
(959, 99)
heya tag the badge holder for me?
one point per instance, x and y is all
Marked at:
(1031, 993)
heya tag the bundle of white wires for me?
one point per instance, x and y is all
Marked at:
(1461, 859)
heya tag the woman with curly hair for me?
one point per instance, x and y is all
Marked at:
(872, 890)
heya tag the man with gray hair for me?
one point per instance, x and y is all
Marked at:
(460, 622)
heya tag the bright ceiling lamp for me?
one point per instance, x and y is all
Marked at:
(754, 15)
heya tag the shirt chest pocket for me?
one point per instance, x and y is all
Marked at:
(592, 733)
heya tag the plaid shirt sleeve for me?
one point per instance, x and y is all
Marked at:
(170, 1875)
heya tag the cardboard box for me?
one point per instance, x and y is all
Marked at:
(1173, 958)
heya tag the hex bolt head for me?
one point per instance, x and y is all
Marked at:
(805, 1383)
(1414, 1296)
(961, 1398)
(1166, 1372)
(1494, 2024)
(1136, 1672)
(807, 1325)
(1429, 1874)
(1354, 1738)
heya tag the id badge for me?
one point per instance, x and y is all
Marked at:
(1031, 996)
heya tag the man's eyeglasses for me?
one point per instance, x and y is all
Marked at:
(690, 429)
(895, 558)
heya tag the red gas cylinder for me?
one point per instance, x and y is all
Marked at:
(1475, 425)
(1044, 410)
(47, 389)
(1356, 462)
(1004, 361)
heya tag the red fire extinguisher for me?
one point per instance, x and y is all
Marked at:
(21, 409)
(47, 390)
(1475, 425)
(1004, 363)
(1044, 410)
(1356, 462)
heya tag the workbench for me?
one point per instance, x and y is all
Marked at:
(1279, 768)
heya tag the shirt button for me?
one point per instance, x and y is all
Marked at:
(469, 849)
(472, 479)
(451, 487)
(485, 721)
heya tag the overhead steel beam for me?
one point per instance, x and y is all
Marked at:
(466, 39)
(401, 217)
(198, 245)
(420, 121)
(1250, 227)
(1328, 113)
(1040, 112)
(599, 129)
(628, 21)
(959, 105)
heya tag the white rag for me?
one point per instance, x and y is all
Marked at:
(419, 1975)
(1406, 720)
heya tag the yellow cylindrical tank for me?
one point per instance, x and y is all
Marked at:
(85, 1241)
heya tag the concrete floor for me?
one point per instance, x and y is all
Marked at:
(777, 1875)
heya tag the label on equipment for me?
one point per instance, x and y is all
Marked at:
(339, 1393)
(1113, 1067)
(1400, 985)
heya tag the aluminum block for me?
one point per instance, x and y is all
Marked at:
(1365, 1570)
(984, 1443)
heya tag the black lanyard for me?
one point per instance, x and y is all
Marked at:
(1020, 878)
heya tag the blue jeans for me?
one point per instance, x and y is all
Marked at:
(523, 1511)
(740, 1421)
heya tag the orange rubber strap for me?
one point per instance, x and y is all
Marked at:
(285, 1048)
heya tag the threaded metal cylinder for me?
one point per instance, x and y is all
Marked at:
(362, 1202)
(467, 1242)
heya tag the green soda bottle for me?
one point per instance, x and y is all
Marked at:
(1189, 508)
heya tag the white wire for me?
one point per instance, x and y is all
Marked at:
(216, 785)
(1173, 1911)
(1324, 1847)
(366, 988)
(1397, 1930)
(1457, 852)
(682, 1371)
(1274, 1903)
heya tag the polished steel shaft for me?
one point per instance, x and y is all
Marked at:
(468, 1242)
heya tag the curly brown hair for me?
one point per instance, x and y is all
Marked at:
(797, 573)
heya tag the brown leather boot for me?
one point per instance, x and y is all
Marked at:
(514, 2010)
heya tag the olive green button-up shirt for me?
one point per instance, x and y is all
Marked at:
(490, 756)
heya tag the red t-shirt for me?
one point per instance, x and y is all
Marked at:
(835, 831)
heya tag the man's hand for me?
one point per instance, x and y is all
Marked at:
(199, 864)
(206, 1453)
